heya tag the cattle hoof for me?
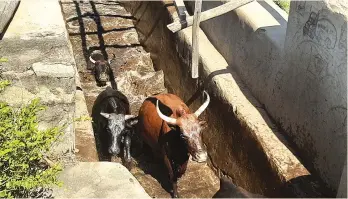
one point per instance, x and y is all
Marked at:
(174, 195)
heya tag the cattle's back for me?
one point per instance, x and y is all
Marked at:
(103, 103)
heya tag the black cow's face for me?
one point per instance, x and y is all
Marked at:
(101, 68)
(115, 126)
(101, 72)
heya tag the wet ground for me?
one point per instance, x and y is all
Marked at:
(108, 27)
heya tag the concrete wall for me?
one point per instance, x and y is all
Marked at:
(298, 74)
(242, 141)
(313, 85)
(40, 64)
(342, 189)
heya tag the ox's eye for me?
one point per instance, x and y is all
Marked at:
(173, 127)
(184, 136)
(108, 130)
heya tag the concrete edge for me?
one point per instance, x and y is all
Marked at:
(84, 141)
(118, 182)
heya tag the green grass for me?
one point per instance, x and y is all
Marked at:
(283, 4)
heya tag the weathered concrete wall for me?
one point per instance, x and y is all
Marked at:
(312, 85)
(40, 64)
(342, 189)
(242, 141)
(7, 10)
(298, 74)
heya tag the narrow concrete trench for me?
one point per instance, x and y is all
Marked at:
(108, 27)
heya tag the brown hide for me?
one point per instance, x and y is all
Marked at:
(150, 124)
(164, 140)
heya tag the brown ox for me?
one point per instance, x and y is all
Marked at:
(173, 133)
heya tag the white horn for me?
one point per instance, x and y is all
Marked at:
(165, 118)
(204, 105)
(127, 117)
(92, 60)
(106, 115)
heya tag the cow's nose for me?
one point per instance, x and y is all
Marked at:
(114, 151)
(200, 156)
(103, 77)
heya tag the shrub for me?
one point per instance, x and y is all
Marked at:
(283, 4)
(22, 147)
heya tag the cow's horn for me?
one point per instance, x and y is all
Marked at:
(204, 105)
(127, 117)
(106, 115)
(163, 117)
(92, 60)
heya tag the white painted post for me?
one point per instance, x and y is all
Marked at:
(195, 38)
(208, 14)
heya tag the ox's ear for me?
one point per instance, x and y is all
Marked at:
(106, 115)
(203, 124)
(131, 120)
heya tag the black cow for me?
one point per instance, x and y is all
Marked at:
(113, 124)
(102, 70)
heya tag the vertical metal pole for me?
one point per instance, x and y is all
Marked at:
(195, 38)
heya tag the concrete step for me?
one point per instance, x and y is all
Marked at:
(99, 180)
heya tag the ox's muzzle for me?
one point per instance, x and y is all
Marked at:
(103, 77)
(114, 149)
(200, 156)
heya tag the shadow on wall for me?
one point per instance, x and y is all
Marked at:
(301, 188)
(96, 17)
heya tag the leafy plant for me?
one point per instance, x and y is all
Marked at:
(2, 59)
(283, 4)
(22, 149)
(3, 84)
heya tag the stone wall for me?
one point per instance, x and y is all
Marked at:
(40, 64)
(296, 69)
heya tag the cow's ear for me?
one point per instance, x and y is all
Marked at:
(173, 127)
(203, 124)
(130, 123)
(106, 115)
